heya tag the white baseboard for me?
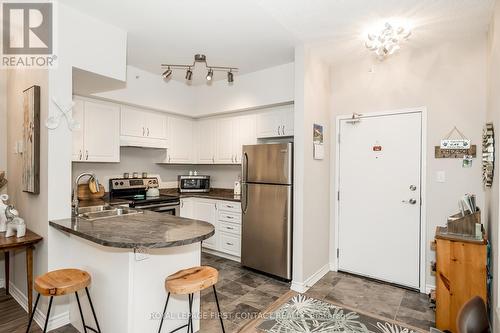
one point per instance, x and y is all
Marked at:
(302, 287)
(2, 283)
(221, 254)
(429, 288)
(57, 321)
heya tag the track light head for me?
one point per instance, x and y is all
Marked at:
(210, 74)
(189, 74)
(166, 74)
(230, 77)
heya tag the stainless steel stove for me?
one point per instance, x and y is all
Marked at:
(135, 189)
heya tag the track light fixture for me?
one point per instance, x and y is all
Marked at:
(210, 74)
(189, 72)
(166, 74)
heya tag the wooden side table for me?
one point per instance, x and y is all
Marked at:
(13, 243)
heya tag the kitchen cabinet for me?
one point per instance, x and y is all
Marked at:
(224, 149)
(225, 216)
(180, 141)
(205, 137)
(205, 210)
(98, 139)
(245, 133)
(276, 123)
(142, 128)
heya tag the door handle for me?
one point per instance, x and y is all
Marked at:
(411, 201)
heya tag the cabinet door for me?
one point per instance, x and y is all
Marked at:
(78, 115)
(101, 132)
(156, 125)
(288, 121)
(187, 208)
(205, 137)
(132, 122)
(268, 124)
(206, 211)
(180, 132)
(245, 134)
(224, 148)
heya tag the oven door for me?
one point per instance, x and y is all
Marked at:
(172, 209)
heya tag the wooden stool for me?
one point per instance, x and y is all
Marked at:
(63, 282)
(187, 282)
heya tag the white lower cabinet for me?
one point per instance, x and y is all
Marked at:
(225, 216)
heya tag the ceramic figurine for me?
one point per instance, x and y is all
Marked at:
(3, 206)
(15, 224)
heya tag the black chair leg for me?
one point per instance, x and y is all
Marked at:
(93, 311)
(48, 314)
(190, 322)
(33, 314)
(218, 310)
(164, 312)
(81, 312)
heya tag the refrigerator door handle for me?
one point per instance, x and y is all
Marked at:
(244, 198)
(245, 167)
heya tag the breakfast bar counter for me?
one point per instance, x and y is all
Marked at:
(128, 258)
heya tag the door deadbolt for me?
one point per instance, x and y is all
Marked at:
(413, 188)
(411, 201)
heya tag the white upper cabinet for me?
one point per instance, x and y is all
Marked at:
(245, 131)
(143, 128)
(205, 137)
(275, 123)
(224, 150)
(181, 148)
(98, 139)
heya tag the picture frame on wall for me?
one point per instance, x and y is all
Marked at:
(31, 140)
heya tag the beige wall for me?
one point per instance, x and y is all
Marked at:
(33, 208)
(450, 80)
(3, 142)
(312, 177)
(492, 195)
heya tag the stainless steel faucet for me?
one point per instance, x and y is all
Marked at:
(91, 176)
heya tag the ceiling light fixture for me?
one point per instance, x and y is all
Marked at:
(189, 74)
(387, 41)
(200, 58)
(210, 74)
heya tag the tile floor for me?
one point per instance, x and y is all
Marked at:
(244, 293)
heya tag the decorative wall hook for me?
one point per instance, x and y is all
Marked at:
(53, 122)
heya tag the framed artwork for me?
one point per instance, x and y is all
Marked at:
(31, 140)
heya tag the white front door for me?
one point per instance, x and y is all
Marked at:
(380, 197)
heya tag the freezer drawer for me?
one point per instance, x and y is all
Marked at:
(267, 228)
(268, 163)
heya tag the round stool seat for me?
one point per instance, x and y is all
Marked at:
(191, 280)
(62, 282)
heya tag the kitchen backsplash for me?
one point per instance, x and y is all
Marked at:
(144, 160)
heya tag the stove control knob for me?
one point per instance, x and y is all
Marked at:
(116, 183)
(121, 183)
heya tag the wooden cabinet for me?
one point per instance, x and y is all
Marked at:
(461, 273)
(98, 139)
(180, 141)
(276, 123)
(142, 128)
(205, 137)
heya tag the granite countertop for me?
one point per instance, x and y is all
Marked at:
(145, 230)
(215, 193)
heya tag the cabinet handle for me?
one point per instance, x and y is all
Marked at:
(182, 204)
(213, 159)
(148, 131)
(230, 228)
(230, 244)
(215, 205)
(283, 130)
(279, 130)
(143, 131)
(168, 158)
(80, 155)
(229, 217)
(87, 155)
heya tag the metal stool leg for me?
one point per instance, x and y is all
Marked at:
(190, 322)
(33, 313)
(81, 312)
(48, 314)
(218, 310)
(164, 312)
(93, 311)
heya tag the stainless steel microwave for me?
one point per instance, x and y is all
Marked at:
(194, 183)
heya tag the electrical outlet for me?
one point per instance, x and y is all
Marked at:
(441, 177)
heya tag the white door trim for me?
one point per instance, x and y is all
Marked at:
(423, 179)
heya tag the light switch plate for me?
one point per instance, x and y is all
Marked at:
(441, 177)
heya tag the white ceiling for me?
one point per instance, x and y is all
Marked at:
(257, 34)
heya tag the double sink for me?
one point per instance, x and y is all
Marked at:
(92, 213)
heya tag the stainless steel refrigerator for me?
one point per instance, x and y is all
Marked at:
(267, 188)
